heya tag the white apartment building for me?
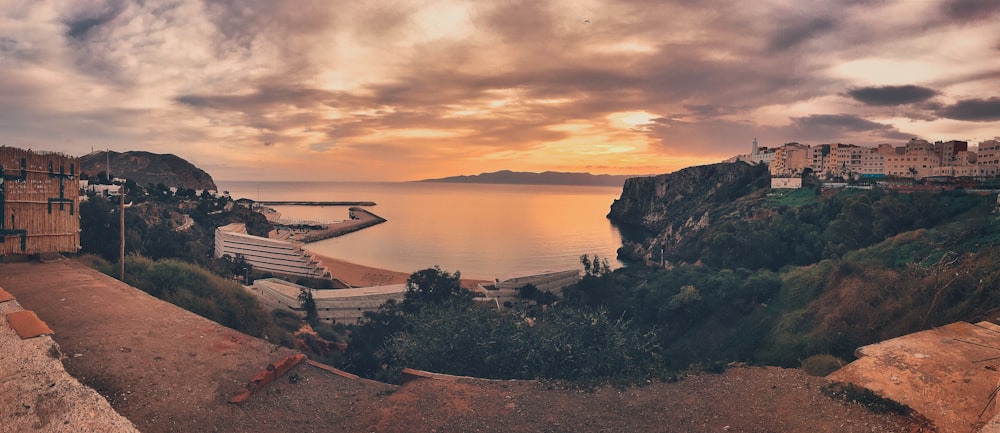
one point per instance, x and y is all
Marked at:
(267, 255)
(917, 164)
(916, 159)
(872, 162)
(988, 158)
(332, 305)
(791, 159)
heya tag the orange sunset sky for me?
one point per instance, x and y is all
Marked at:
(404, 90)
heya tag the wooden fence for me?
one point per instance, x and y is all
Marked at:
(39, 202)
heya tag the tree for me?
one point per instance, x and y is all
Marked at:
(431, 286)
(308, 304)
(528, 292)
(594, 267)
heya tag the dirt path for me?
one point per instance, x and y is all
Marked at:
(168, 370)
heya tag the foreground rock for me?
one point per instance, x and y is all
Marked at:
(947, 374)
(38, 395)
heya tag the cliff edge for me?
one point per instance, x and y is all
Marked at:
(662, 211)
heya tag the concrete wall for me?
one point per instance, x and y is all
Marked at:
(786, 182)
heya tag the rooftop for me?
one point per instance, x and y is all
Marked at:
(292, 290)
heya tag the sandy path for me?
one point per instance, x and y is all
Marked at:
(360, 275)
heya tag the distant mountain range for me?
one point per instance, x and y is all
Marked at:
(530, 178)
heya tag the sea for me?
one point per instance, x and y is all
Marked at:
(486, 231)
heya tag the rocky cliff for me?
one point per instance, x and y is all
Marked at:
(148, 168)
(662, 211)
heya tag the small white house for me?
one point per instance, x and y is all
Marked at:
(786, 182)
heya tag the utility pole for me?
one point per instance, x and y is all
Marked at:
(121, 222)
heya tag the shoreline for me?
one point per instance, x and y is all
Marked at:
(358, 275)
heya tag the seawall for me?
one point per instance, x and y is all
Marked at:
(316, 203)
(360, 219)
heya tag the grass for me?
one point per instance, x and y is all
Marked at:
(793, 198)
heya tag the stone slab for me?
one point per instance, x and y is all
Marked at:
(5, 296)
(947, 374)
(27, 324)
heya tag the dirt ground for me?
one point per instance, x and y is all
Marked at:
(168, 370)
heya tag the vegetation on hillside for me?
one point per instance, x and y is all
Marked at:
(896, 264)
(438, 327)
(152, 221)
(199, 291)
(774, 277)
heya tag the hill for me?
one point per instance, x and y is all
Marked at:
(530, 178)
(146, 168)
(729, 269)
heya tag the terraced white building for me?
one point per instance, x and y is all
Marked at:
(267, 255)
(332, 305)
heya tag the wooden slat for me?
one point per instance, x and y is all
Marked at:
(26, 202)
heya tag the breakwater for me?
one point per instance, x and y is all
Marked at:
(316, 203)
(360, 219)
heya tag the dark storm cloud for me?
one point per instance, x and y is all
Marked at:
(264, 97)
(80, 27)
(831, 127)
(970, 10)
(973, 110)
(892, 95)
(793, 32)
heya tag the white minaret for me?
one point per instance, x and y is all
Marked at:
(753, 150)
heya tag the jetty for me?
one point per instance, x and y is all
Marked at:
(316, 203)
(359, 219)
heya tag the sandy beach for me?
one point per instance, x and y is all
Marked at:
(358, 275)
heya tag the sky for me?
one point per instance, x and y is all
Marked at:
(404, 90)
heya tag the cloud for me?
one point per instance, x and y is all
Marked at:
(892, 95)
(92, 17)
(970, 10)
(794, 32)
(408, 84)
(973, 110)
(836, 127)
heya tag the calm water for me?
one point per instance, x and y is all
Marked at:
(485, 231)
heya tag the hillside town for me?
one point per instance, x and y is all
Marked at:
(917, 159)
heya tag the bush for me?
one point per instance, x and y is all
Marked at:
(821, 365)
(197, 290)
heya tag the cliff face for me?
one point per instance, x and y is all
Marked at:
(670, 208)
(148, 168)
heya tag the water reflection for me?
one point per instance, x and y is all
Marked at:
(483, 230)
